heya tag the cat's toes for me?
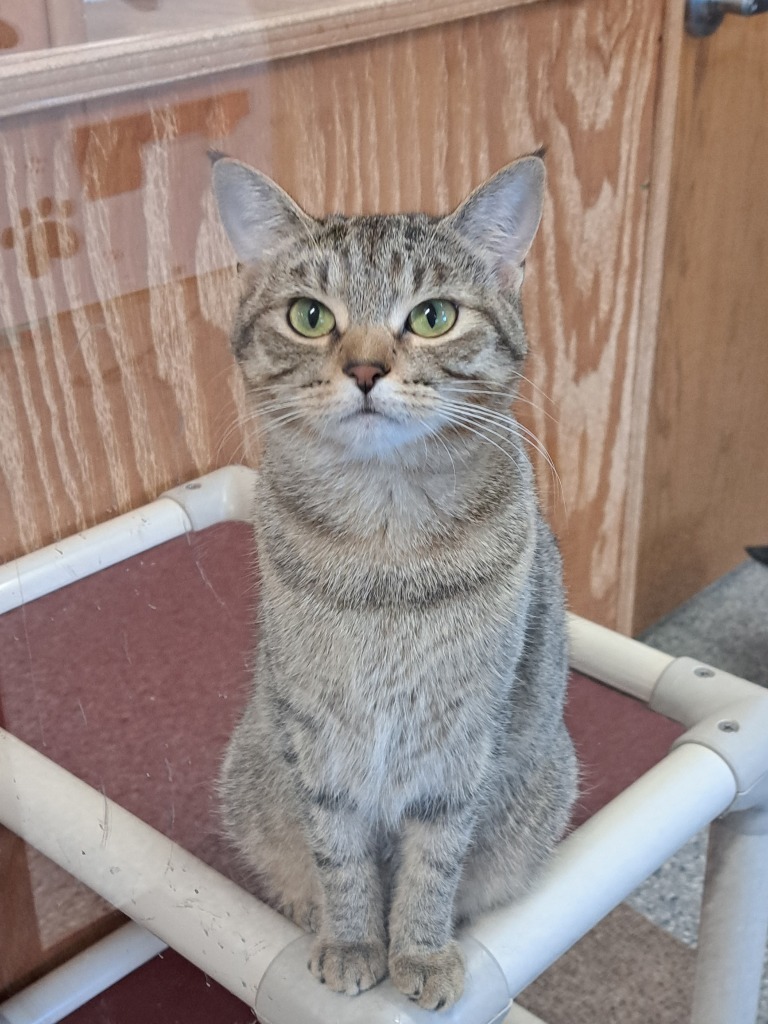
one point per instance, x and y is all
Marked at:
(434, 980)
(349, 967)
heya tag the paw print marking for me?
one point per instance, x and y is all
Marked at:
(43, 234)
(9, 37)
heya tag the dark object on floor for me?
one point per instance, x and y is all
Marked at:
(759, 554)
(725, 625)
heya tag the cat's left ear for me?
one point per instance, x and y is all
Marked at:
(501, 217)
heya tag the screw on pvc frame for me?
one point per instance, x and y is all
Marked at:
(724, 713)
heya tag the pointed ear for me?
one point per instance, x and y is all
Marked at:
(501, 217)
(256, 213)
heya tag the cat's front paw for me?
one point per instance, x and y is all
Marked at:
(434, 980)
(349, 967)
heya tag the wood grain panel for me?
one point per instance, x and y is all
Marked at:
(706, 487)
(45, 915)
(132, 389)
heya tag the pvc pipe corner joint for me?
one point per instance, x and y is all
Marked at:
(289, 993)
(225, 495)
(726, 714)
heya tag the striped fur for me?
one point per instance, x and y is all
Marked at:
(402, 764)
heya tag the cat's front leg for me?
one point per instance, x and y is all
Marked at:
(350, 953)
(425, 962)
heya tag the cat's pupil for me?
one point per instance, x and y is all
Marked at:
(430, 314)
(313, 315)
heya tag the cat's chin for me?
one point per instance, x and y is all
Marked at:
(366, 436)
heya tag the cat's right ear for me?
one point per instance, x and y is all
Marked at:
(256, 213)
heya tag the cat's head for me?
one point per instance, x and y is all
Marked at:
(376, 332)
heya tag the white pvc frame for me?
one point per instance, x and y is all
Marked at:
(718, 768)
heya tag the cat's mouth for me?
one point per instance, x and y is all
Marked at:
(367, 408)
(366, 413)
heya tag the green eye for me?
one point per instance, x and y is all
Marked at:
(432, 318)
(311, 318)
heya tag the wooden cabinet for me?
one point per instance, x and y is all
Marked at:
(706, 469)
(116, 284)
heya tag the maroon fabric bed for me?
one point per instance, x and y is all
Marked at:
(133, 678)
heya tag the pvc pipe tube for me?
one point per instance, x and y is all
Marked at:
(597, 866)
(616, 660)
(209, 920)
(223, 495)
(289, 994)
(86, 975)
(734, 921)
(69, 560)
(212, 922)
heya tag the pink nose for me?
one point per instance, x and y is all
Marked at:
(366, 374)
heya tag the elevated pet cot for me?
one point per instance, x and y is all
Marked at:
(716, 772)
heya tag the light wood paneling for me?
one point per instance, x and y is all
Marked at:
(706, 489)
(130, 387)
(653, 275)
(45, 915)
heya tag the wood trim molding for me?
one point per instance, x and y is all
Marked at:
(650, 302)
(53, 78)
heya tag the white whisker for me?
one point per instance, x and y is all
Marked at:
(512, 399)
(480, 421)
(289, 417)
(459, 422)
(539, 390)
(433, 432)
(481, 416)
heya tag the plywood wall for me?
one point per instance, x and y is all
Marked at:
(706, 487)
(115, 292)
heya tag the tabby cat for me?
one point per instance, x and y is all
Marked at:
(402, 764)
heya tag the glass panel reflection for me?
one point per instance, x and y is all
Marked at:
(116, 678)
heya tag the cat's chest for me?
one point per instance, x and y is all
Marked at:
(406, 639)
(387, 755)
(401, 704)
